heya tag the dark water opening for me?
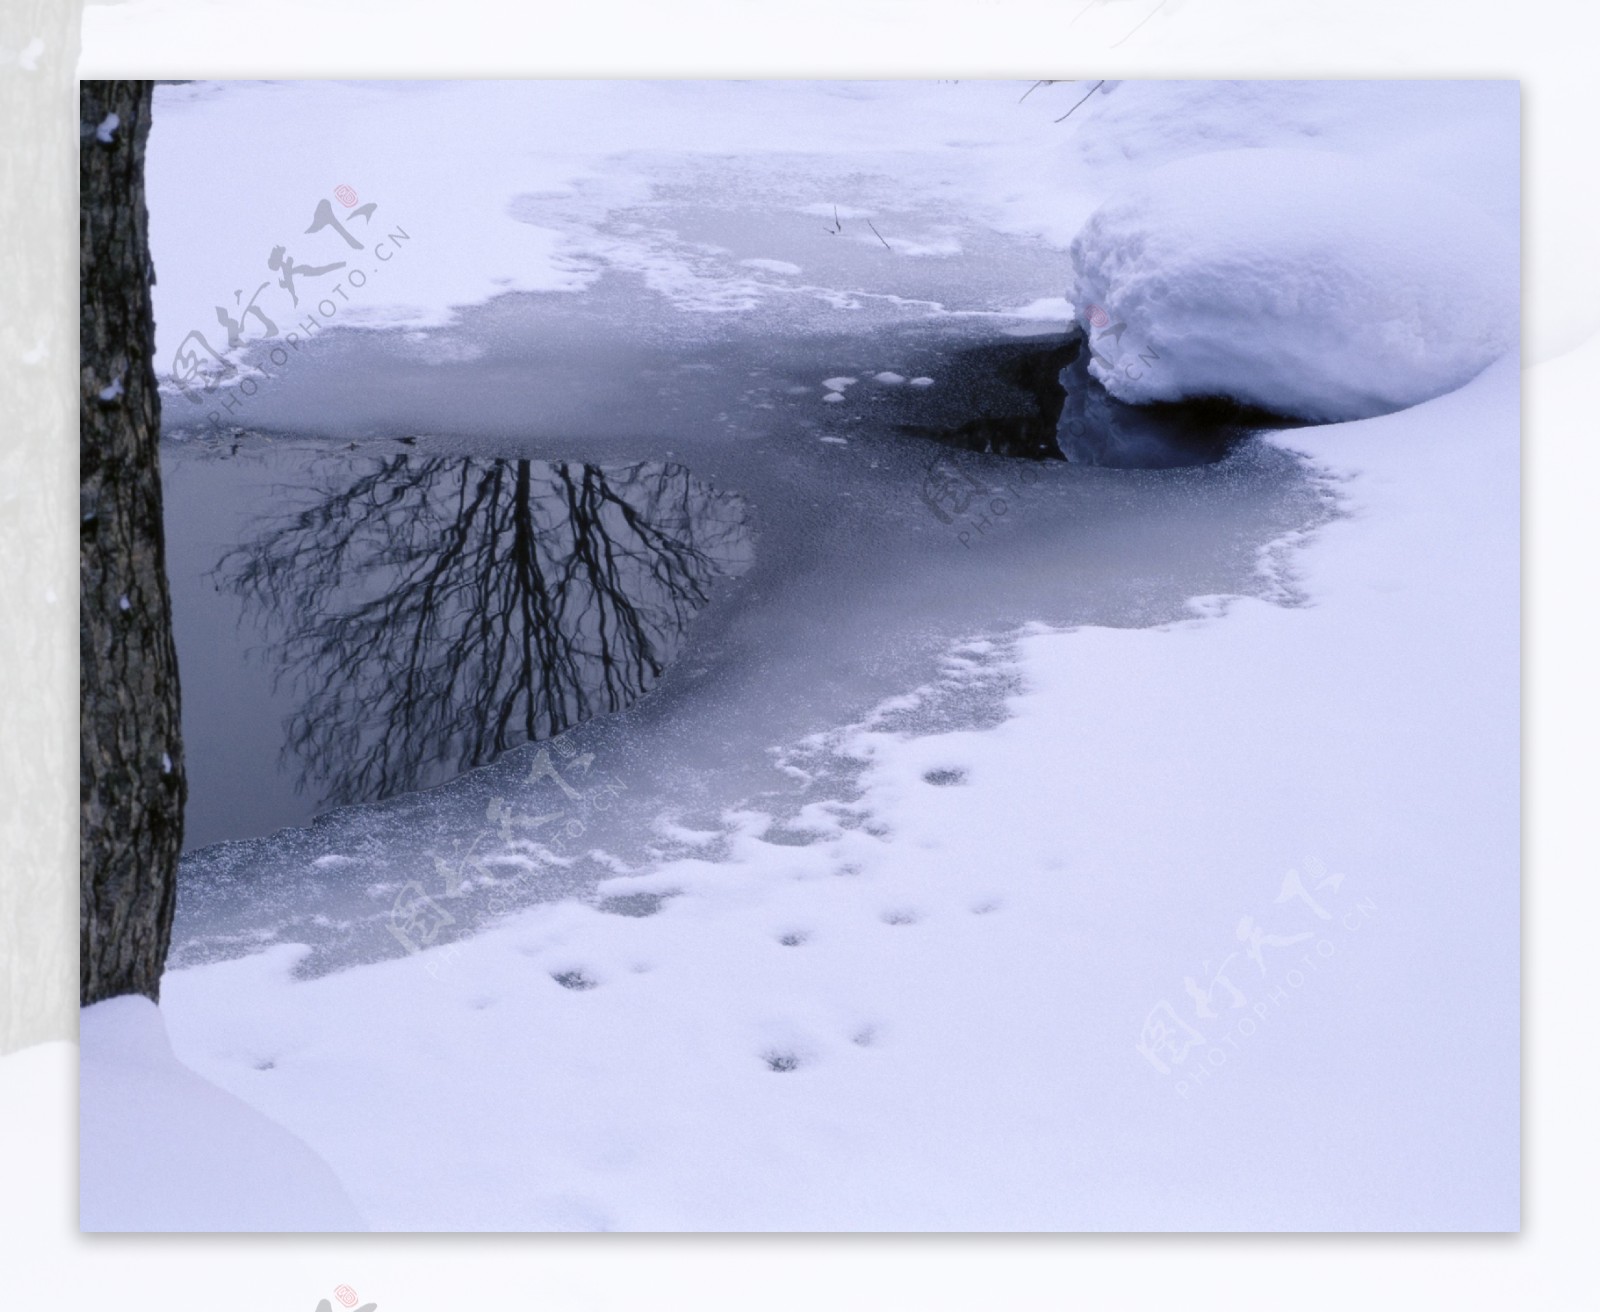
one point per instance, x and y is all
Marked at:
(1095, 428)
(379, 623)
(1037, 400)
(1005, 398)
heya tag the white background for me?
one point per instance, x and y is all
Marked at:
(1547, 44)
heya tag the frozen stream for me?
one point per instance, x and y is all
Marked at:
(880, 542)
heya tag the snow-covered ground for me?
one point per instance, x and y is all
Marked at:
(1216, 928)
(159, 1143)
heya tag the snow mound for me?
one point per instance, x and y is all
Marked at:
(1309, 283)
(163, 1149)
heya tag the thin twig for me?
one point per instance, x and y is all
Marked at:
(879, 236)
(1043, 82)
(1141, 23)
(1086, 96)
(1083, 11)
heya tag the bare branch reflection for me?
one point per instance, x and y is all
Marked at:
(432, 613)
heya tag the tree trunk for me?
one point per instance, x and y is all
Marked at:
(131, 782)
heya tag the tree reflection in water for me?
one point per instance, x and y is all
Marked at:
(434, 612)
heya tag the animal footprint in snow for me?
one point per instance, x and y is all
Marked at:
(575, 980)
(794, 938)
(945, 777)
(985, 907)
(781, 1061)
(900, 916)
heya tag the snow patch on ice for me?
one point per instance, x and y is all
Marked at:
(1050, 309)
(772, 266)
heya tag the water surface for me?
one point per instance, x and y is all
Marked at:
(353, 625)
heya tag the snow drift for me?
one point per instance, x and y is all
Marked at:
(1310, 283)
(163, 1149)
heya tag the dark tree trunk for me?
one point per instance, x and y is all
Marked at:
(131, 781)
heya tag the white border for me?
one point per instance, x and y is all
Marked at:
(1547, 44)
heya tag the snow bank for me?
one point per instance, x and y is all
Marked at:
(163, 1149)
(1309, 283)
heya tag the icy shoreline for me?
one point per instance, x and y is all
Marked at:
(1215, 930)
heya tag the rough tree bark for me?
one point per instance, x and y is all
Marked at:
(131, 780)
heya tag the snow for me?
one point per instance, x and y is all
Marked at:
(107, 129)
(1308, 283)
(958, 989)
(162, 1149)
(37, 1138)
(772, 266)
